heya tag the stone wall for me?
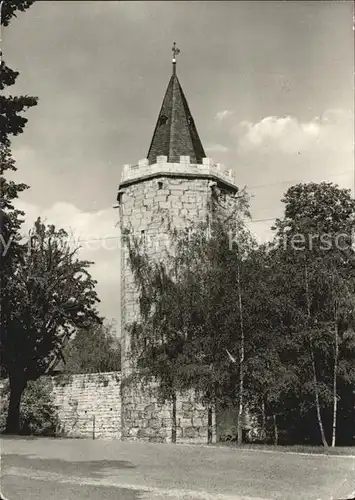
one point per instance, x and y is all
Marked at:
(80, 398)
(144, 419)
(192, 420)
(89, 404)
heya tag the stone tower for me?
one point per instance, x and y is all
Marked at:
(176, 181)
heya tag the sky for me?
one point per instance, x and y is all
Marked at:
(270, 86)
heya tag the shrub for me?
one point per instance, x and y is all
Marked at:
(4, 402)
(38, 414)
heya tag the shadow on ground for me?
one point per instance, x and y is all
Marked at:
(18, 488)
(82, 468)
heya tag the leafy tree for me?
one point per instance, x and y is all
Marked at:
(52, 295)
(216, 324)
(93, 350)
(272, 343)
(316, 240)
(291, 367)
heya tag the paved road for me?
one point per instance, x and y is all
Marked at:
(56, 469)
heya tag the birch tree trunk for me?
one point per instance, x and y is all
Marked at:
(335, 373)
(316, 395)
(173, 423)
(276, 431)
(209, 425)
(263, 416)
(313, 362)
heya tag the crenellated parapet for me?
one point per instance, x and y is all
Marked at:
(209, 169)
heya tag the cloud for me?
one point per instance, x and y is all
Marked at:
(280, 151)
(84, 225)
(333, 130)
(216, 148)
(223, 115)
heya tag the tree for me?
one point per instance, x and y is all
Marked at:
(217, 263)
(320, 217)
(272, 344)
(93, 350)
(209, 271)
(52, 295)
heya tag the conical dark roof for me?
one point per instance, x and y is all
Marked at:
(175, 133)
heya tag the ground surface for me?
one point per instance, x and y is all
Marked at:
(56, 469)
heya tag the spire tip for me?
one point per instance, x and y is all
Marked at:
(176, 51)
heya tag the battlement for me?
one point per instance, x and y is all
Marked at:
(208, 167)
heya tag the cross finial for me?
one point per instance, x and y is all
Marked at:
(176, 51)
